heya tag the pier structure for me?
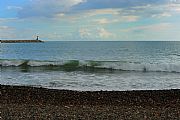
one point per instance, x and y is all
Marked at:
(21, 41)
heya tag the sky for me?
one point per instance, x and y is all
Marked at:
(90, 20)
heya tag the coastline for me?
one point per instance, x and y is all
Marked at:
(41, 103)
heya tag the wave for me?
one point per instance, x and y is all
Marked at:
(85, 65)
(175, 54)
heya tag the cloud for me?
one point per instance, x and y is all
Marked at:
(92, 19)
(175, 1)
(96, 12)
(14, 8)
(4, 20)
(85, 33)
(161, 15)
(59, 15)
(174, 8)
(116, 19)
(7, 32)
(157, 31)
(95, 33)
(133, 12)
(103, 4)
(105, 21)
(51, 36)
(151, 28)
(46, 8)
(130, 18)
(167, 8)
(4, 28)
(103, 33)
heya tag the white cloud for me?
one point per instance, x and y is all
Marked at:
(59, 15)
(95, 33)
(46, 8)
(4, 20)
(60, 3)
(174, 8)
(150, 28)
(7, 32)
(105, 21)
(130, 18)
(156, 11)
(143, 7)
(116, 19)
(51, 36)
(165, 14)
(14, 8)
(102, 21)
(85, 33)
(2, 28)
(158, 31)
(103, 33)
(95, 12)
(175, 1)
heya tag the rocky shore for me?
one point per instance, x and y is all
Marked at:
(20, 102)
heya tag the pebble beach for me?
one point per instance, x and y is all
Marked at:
(24, 102)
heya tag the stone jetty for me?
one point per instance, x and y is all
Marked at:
(20, 41)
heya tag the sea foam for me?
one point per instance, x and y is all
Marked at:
(109, 65)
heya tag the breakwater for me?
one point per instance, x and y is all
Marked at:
(20, 41)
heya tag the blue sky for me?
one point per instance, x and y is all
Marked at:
(86, 20)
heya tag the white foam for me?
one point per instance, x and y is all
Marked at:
(44, 63)
(142, 67)
(116, 65)
(11, 62)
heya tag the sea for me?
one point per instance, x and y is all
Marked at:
(92, 65)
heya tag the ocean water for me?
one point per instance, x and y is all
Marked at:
(92, 66)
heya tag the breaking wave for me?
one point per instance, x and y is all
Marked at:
(105, 65)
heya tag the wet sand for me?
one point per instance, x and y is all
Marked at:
(20, 102)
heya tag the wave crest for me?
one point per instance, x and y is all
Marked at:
(107, 65)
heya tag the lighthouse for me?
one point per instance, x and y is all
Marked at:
(37, 38)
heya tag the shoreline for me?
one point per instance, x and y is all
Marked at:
(19, 101)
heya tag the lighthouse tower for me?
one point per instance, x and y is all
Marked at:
(37, 38)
